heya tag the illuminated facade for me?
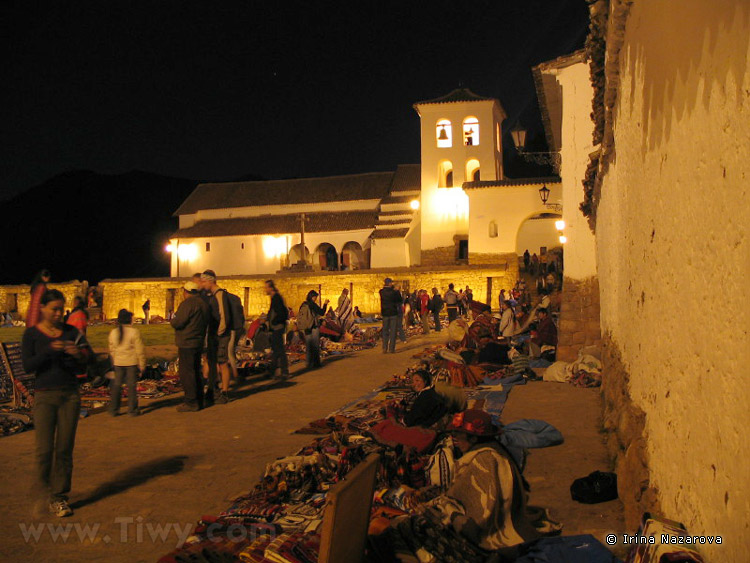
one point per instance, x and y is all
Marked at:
(455, 207)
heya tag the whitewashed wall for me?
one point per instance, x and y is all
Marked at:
(672, 248)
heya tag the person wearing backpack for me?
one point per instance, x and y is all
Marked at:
(451, 303)
(436, 305)
(276, 319)
(219, 335)
(308, 321)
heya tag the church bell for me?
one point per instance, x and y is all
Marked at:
(442, 136)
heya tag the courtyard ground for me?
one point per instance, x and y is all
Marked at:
(158, 338)
(140, 482)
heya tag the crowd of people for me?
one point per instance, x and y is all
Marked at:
(210, 321)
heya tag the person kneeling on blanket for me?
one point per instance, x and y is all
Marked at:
(483, 510)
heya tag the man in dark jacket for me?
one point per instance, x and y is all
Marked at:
(276, 320)
(190, 322)
(390, 299)
(436, 305)
(545, 333)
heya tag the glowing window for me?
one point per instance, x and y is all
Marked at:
(444, 133)
(471, 131)
(472, 170)
(445, 174)
(497, 135)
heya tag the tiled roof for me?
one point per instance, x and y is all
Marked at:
(408, 178)
(458, 95)
(511, 182)
(225, 195)
(389, 233)
(280, 224)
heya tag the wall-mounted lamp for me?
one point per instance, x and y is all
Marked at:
(414, 204)
(544, 194)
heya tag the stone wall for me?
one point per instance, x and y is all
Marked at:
(21, 294)
(364, 286)
(624, 427)
(439, 256)
(579, 317)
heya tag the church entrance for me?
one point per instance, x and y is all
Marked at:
(326, 257)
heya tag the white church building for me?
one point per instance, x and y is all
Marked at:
(455, 207)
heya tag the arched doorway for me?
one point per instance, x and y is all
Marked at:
(352, 256)
(538, 234)
(295, 254)
(326, 257)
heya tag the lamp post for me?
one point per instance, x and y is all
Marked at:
(549, 158)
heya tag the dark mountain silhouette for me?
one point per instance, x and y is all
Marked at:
(84, 225)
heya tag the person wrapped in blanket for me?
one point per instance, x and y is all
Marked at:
(483, 510)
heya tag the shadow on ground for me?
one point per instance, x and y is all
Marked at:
(132, 477)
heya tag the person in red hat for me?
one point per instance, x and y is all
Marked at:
(484, 509)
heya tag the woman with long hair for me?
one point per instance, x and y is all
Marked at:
(55, 353)
(38, 289)
(128, 359)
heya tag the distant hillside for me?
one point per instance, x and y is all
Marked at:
(84, 225)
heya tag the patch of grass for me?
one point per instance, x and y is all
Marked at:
(153, 335)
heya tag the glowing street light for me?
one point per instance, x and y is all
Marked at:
(560, 225)
(414, 204)
(563, 239)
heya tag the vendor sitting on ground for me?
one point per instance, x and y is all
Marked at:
(428, 407)
(545, 333)
(483, 510)
(485, 326)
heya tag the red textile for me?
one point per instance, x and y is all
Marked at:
(390, 433)
(33, 315)
(79, 320)
(424, 303)
(253, 328)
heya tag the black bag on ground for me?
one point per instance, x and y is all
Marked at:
(597, 487)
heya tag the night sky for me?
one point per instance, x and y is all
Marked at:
(218, 90)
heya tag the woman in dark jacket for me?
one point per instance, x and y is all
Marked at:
(55, 353)
(428, 407)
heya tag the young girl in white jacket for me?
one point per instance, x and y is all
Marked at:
(129, 360)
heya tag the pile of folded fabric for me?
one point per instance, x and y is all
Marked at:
(280, 518)
(15, 420)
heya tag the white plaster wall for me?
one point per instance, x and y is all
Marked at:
(673, 256)
(389, 253)
(509, 207)
(228, 258)
(535, 234)
(438, 224)
(577, 128)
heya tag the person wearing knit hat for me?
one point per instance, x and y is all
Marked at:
(486, 503)
(190, 322)
(484, 508)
